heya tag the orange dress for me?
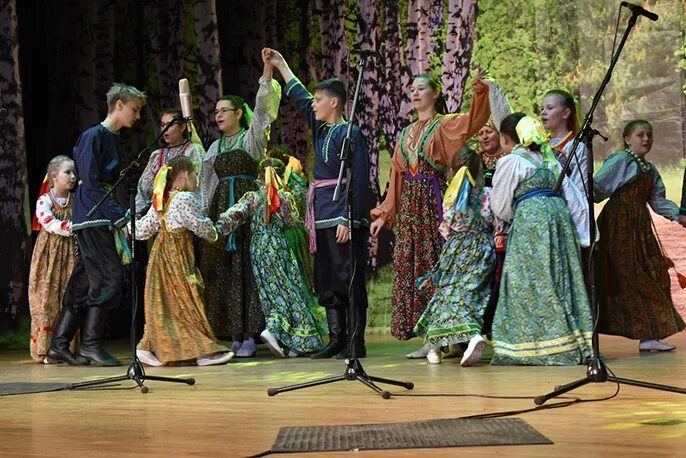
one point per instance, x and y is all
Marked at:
(413, 202)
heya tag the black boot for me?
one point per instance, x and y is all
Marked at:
(64, 330)
(358, 344)
(91, 338)
(338, 339)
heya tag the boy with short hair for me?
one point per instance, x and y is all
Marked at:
(95, 285)
(328, 220)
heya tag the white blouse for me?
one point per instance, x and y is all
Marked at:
(513, 169)
(183, 211)
(46, 217)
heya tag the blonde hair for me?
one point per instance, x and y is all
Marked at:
(54, 166)
(123, 92)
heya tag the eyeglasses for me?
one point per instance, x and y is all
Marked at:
(225, 110)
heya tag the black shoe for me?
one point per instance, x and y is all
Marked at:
(65, 328)
(329, 352)
(65, 356)
(92, 333)
(335, 318)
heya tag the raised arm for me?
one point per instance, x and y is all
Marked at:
(294, 88)
(455, 129)
(266, 110)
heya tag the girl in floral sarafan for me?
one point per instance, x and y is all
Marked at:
(53, 253)
(413, 202)
(543, 316)
(290, 309)
(634, 297)
(463, 275)
(176, 327)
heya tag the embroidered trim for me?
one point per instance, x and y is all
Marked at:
(93, 223)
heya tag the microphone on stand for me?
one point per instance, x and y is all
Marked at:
(639, 11)
(185, 101)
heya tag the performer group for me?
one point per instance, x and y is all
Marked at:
(241, 247)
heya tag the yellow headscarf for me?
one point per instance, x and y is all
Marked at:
(459, 190)
(530, 130)
(159, 187)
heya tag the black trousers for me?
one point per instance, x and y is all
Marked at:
(332, 269)
(97, 278)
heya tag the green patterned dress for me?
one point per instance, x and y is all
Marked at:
(291, 312)
(543, 315)
(463, 277)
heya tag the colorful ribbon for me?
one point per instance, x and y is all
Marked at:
(530, 130)
(458, 192)
(159, 188)
(232, 242)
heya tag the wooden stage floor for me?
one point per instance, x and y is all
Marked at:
(228, 413)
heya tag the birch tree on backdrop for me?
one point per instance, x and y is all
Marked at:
(367, 113)
(458, 51)
(15, 247)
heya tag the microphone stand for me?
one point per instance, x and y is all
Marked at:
(135, 370)
(354, 370)
(596, 371)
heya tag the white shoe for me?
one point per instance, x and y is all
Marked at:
(214, 359)
(419, 354)
(475, 349)
(148, 358)
(272, 343)
(655, 345)
(434, 356)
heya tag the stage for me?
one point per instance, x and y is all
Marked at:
(228, 413)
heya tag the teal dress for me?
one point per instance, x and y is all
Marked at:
(463, 275)
(543, 315)
(291, 312)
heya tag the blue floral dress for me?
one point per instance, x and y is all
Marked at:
(463, 276)
(291, 312)
(543, 315)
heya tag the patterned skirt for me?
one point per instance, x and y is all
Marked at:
(418, 245)
(455, 312)
(543, 315)
(634, 296)
(176, 327)
(291, 312)
(51, 266)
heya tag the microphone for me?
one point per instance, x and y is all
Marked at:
(185, 99)
(3, 113)
(364, 52)
(639, 10)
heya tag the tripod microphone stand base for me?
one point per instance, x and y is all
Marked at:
(136, 373)
(596, 372)
(353, 371)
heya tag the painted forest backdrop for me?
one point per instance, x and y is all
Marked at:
(58, 58)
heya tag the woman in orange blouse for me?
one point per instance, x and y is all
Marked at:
(413, 202)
